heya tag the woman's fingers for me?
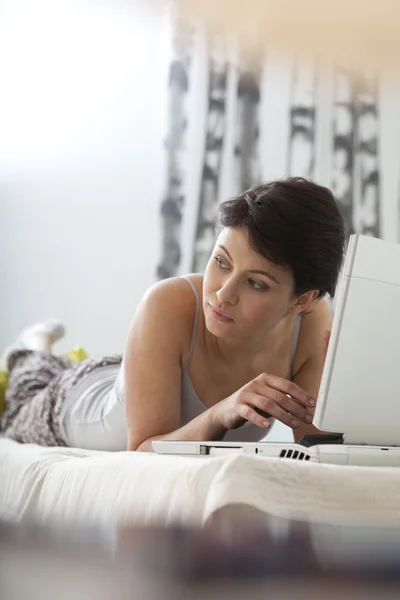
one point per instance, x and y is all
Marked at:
(246, 411)
(286, 387)
(276, 397)
(290, 406)
(274, 402)
(274, 410)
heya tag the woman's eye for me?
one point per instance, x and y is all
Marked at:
(258, 285)
(220, 262)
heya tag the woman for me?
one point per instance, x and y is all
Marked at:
(210, 357)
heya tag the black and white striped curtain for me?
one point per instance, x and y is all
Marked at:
(355, 181)
(242, 144)
(234, 100)
(302, 115)
(173, 203)
(212, 160)
(247, 131)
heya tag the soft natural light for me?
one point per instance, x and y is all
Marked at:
(62, 62)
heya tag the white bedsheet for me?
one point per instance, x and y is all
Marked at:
(69, 484)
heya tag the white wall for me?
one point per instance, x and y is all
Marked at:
(82, 123)
(82, 116)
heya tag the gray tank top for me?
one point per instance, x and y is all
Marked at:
(192, 406)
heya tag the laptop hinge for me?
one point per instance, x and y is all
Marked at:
(321, 438)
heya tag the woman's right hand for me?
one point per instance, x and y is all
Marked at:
(263, 397)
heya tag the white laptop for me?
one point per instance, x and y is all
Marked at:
(360, 388)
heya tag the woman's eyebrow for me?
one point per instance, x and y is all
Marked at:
(266, 274)
(257, 271)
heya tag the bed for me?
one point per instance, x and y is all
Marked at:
(72, 485)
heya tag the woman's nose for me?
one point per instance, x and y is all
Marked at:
(227, 293)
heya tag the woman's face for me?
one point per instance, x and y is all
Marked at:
(243, 292)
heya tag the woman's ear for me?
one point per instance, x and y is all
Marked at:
(303, 302)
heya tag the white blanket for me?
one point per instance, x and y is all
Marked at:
(69, 484)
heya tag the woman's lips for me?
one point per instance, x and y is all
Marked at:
(220, 316)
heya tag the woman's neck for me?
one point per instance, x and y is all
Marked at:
(263, 346)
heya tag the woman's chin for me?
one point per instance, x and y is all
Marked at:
(219, 329)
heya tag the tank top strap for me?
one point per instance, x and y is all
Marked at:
(196, 319)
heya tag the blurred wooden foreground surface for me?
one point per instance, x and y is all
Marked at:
(240, 554)
(364, 35)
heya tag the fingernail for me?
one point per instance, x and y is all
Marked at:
(294, 423)
(309, 418)
(266, 424)
(312, 402)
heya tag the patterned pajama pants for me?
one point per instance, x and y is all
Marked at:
(38, 385)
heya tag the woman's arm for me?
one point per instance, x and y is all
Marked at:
(201, 428)
(157, 346)
(308, 377)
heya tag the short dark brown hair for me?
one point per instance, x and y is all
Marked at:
(296, 224)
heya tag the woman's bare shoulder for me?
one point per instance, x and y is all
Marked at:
(176, 290)
(312, 329)
(167, 312)
(174, 298)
